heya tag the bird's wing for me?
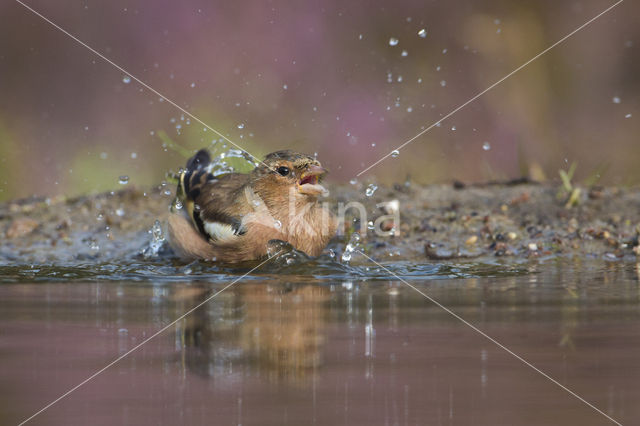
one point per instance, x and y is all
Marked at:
(209, 200)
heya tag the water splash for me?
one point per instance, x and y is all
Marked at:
(352, 245)
(156, 243)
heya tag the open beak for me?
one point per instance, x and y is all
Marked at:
(309, 181)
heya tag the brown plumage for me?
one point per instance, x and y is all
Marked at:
(233, 217)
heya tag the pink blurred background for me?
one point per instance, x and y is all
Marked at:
(317, 76)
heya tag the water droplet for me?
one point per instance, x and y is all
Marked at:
(93, 245)
(443, 83)
(371, 189)
(486, 146)
(103, 155)
(156, 242)
(126, 79)
(370, 225)
(123, 180)
(192, 85)
(351, 247)
(241, 126)
(616, 100)
(393, 41)
(422, 33)
(409, 109)
(404, 53)
(177, 204)
(453, 128)
(120, 212)
(284, 86)
(444, 51)
(395, 153)
(353, 181)
(277, 224)
(360, 37)
(627, 116)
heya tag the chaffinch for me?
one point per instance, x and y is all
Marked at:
(233, 217)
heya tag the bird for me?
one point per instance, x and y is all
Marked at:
(234, 217)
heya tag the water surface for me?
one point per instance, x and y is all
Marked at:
(321, 344)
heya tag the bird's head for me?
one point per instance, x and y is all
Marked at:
(282, 170)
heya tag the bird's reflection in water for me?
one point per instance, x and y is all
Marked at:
(273, 330)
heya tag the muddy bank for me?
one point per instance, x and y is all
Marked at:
(437, 223)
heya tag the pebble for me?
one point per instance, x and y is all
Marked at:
(471, 240)
(21, 227)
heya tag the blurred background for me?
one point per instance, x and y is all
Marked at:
(349, 81)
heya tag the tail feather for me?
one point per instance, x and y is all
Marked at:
(191, 177)
(198, 161)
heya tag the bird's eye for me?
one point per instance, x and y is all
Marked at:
(283, 170)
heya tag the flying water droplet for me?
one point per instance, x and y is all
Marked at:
(371, 189)
(616, 100)
(393, 41)
(628, 116)
(93, 245)
(277, 224)
(240, 126)
(177, 204)
(353, 181)
(123, 180)
(443, 83)
(395, 153)
(422, 33)
(404, 53)
(126, 79)
(486, 146)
